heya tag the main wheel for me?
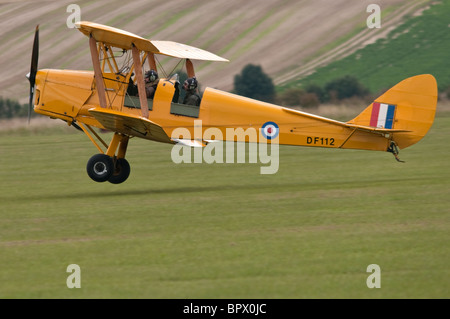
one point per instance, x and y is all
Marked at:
(100, 167)
(121, 171)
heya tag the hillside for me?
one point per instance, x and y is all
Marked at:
(421, 44)
(282, 36)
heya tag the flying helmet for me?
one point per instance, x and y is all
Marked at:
(152, 75)
(191, 83)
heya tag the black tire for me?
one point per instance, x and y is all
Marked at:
(121, 171)
(100, 167)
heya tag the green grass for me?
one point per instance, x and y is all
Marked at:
(419, 45)
(224, 230)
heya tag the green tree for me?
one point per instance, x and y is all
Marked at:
(309, 100)
(345, 87)
(10, 108)
(318, 91)
(255, 84)
(291, 97)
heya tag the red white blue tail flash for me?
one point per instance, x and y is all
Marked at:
(382, 115)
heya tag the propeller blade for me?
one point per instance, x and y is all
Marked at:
(34, 57)
(30, 103)
(33, 69)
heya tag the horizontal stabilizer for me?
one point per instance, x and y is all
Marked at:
(348, 125)
(375, 129)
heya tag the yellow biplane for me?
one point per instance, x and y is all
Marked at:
(101, 98)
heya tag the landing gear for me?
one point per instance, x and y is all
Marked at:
(121, 171)
(109, 166)
(100, 167)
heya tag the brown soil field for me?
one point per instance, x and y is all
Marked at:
(287, 38)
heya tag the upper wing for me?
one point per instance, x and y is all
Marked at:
(114, 37)
(183, 51)
(131, 125)
(124, 40)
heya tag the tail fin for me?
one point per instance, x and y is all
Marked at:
(409, 106)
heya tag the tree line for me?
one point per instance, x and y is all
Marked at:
(252, 82)
(11, 108)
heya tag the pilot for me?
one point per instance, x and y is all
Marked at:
(132, 89)
(151, 82)
(192, 97)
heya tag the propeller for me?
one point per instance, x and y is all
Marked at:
(33, 70)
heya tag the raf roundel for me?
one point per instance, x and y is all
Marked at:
(270, 130)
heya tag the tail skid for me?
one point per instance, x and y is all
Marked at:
(394, 150)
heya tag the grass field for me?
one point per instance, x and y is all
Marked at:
(224, 230)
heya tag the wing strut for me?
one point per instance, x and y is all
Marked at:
(152, 61)
(140, 81)
(83, 127)
(97, 72)
(190, 68)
